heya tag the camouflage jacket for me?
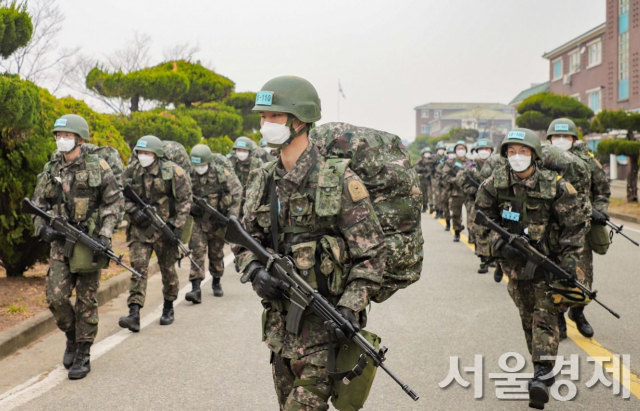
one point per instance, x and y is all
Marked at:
(544, 207)
(243, 168)
(424, 168)
(490, 164)
(221, 188)
(471, 172)
(449, 173)
(599, 190)
(325, 222)
(262, 154)
(88, 193)
(163, 185)
(107, 153)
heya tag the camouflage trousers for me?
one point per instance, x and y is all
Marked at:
(200, 240)
(60, 283)
(469, 205)
(455, 208)
(443, 202)
(427, 194)
(140, 253)
(585, 263)
(290, 378)
(539, 316)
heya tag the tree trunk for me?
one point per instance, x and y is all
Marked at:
(632, 180)
(135, 103)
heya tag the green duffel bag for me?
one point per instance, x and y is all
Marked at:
(599, 239)
(83, 260)
(352, 396)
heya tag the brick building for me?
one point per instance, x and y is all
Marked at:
(436, 119)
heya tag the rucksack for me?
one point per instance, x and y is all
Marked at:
(383, 163)
(174, 151)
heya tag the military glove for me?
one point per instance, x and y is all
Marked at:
(105, 241)
(196, 210)
(138, 217)
(48, 234)
(509, 252)
(569, 266)
(178, 233)
(340, 333)
(262, 282)
(599, 217)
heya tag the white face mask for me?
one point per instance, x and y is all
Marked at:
(146, 160)
(274, 133)
(426, 155)
(201, 169)
(562, 143)
(440, 151)
(519, 163)
(461, 153)
(65, 145)
(242, 155)
(451, 156)
(484, 154)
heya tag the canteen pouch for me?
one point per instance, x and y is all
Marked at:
(187, 230)
(353, 395)
(599, 239)
(83, 260)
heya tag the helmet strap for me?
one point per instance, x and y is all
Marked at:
(294, 133)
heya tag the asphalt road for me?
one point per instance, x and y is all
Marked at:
(212, 358)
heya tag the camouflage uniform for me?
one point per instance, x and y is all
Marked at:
(423, 168)
(107, 153)
(470, 191)
(444, 194)
(435, 180)
(262, 154)
(242, 169)
(449, 171)
(167, 187)
(222, 189)
(90, 196)
(542, 199)
(338, 232)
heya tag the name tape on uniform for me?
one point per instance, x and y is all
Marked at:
(510, 215)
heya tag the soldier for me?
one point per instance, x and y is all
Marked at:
(81, 187)
(450, 170)
(220, 187)
(445, 188)
(423, 168)
(166, 186)
(563, 134)
(243, 163)
(262, 152)
(337, 220)
(528, 200)
(439, 157)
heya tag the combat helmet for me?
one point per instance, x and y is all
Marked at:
(201, 154)
(460, 143)
(522, 136)
(292, 95)
(72, 123)
(244, 143)
(151, 144)
(484, 143)
(562, 126)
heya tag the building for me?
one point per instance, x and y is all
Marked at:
(601, 68)
(525, 94)
(437, 119)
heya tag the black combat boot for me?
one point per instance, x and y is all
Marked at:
(132, 321)
(497, 274)
(167, 313)
(562, 326)
(195, 295)
(438, 214)
(483, 266)
(424, 208)
(217, 287)
(456, 236)
(431, 208)
(448, 227)
(82, 362)
(70, 351)
(577, 315)
(539, 386)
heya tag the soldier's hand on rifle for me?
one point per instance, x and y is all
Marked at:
(48, 234)
(599, 217)
(508, 251)
(336, 331)
(138, 217)
(105, 241)
(263, 283)
(178, 233)
(569, 266)
(196, 210)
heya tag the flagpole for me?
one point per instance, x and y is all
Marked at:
(338, 100)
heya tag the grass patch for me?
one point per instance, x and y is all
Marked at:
(619, 205)
(16, 309)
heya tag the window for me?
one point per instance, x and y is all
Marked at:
(436, 113)
(574, 62)
(425, 129)
(623, 50)
(425, 113)
(557, 69)
(594, 100)
(595, 53)
(576, 96)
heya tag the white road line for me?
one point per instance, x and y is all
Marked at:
(40, 384)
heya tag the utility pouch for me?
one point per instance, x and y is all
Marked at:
(187, 230)
(599, 239)
(83, 260)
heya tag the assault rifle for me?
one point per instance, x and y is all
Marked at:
(158, 224)
(536, 257)
(208, 209)
(303, 296)
(73, 235)
(595, 214)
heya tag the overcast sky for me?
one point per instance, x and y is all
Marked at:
(389, 56)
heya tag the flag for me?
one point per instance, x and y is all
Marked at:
(340, 89)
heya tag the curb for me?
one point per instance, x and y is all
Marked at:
(625, 217)
(41, 324)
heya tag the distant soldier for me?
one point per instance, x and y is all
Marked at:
(424, 169)
(81, 187)
(243, 163)
(450, 170)
(263, 152)
(221, 189)
(166, 186)
(529, 200)
(445, 187)
(439, 157)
